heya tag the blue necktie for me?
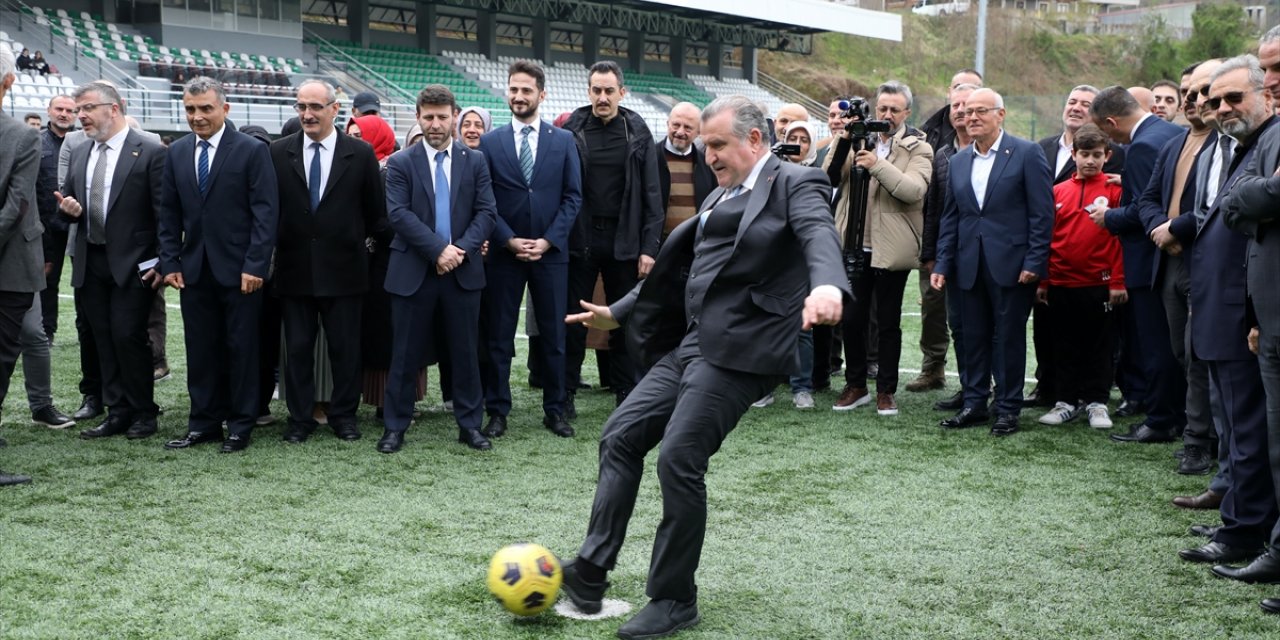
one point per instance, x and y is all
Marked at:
(526, 155)
(202, 167)
(313, 182)
(442, 199)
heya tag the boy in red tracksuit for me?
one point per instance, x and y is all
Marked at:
(1085, 284)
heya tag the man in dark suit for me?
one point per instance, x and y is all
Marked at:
(537, 186)
(217, 231)
(330, 200)
(1219, 328)
(993, 242)
(21, 253)
(1146, 328)
(716, 319)
(113, 193)
(1250, 208)
(440, 205)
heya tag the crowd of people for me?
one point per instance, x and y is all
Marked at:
(1136, 243)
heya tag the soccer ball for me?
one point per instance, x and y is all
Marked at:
(525, 578)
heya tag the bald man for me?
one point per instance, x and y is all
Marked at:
(1145, 98)
(683, 174)
(786, 115)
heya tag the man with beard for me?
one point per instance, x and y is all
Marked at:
(1168, 99)
(62, 119)
(682, 168)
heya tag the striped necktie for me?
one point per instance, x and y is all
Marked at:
(202, 167)
(526, 155)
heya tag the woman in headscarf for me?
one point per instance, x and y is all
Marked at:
(801, 132)
(377, 133)
(413, 137)
(473, 122)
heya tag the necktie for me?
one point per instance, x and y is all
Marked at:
(1224, 172)
(98, 184)
(313, 181)
(526, 155)
(728, 195)
(202, 167)
(443, 223)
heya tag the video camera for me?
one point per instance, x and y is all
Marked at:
(784, 150)
(862, 132)
(861, 127)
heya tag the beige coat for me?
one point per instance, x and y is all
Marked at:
(895, 208)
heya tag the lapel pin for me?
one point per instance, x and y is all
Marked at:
(135, 154)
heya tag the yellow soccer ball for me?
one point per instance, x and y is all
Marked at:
(525, 578)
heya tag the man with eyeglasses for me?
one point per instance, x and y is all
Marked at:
(217, 232)
(993, 244)
(1155, 377)
(900, 166)
(331, 199)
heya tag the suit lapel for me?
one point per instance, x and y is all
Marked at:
(460, 158)
(296, 154)
(759, 195)
(128, 155)
(341, 160)
(507, 149)
(960, 180)
(419, 161)
(225, 147)
(545, 141)
(1001, 161)
(81, 166)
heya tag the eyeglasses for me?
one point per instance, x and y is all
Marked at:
(981, 112)
(888, 109)
(1233, 98)
(314, 107)
(90, 107)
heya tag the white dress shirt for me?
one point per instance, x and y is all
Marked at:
(670, 147)
(431, 162)
(980, 174)
(1215, 169)
(1064, 155)
(214, 141)
(533, 138)
(326, 157)
(114, 146)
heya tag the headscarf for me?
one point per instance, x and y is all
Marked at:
(484, 118)
(414, 131)
(813, 141)
(377, 133)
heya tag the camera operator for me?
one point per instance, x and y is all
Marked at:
(900, 164)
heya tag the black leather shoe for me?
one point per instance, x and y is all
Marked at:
(345, 431)
(90, 408)
(391, 441)
(1270, 605)
(1006, 425)
(1196, 461)
(52, 418)
(1206, 500)
(558, 425)
(570, 407)
(1220, 553)
(1264, 569)
(1127, 409)
(586, 596)
(194, 438)
(497, 426)
(298, 433)
(1144, 434)
(966, 418)
(954, 402)
(234, 443)
(1204, 530)
(474, 439)
(112, 426)
(141, 428)
(659, 619)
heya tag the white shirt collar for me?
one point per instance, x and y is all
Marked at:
(116, 142)
(994, 147)
(215, 139)
(329, 142)
(432, 151)
(667, 142)
(1062, 143)
(1134, 131)
(750, 182)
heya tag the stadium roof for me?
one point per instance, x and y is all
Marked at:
(810, 16)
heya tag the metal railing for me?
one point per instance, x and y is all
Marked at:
(67, 47)
(354, 69)
(787, 93)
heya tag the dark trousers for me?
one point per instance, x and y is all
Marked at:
(303, 316)
(1146, 334)
(1269, 366)
(117, 317)
(934, 339)
(55, 255)
(883, 290)
(90, 368)
(502, 301)
(687, 406)
(1046, 344)
(13, 306)
(414, 322)
(220, 327)
(1083, 328)
(822, 341)
(269, 328)
(1249, 506)
(1175, 289)
(158, 329)
(956, 321)
(620, 277)
(995, 335)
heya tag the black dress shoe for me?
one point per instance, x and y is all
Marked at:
(586, 596)
(1204, 530)
(497, 426)
(1006, 425)
(141, 428)
(1264, 569)
(660, 618)
(1196, 461)
(1220, 553)
(112, 426)
(89, 409)
(558, 425)
(1206, 500)
(1127, 409)
(345, 431)
(298, 433)
(52, 418)
(966, 418)
(391, 441)
(194, 438)
(1270, 605)
(1144, 434)
(235, 442)
(954, 402)
(474, 439)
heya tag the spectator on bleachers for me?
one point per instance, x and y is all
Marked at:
(32, 120)
(24, 60)
(473, 122)
(39, 64)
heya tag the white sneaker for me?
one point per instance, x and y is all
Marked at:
(763, 402)
(1061, 413)
(803, 400)
(1098, 417)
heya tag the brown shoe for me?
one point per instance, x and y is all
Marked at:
(852, 398)
(927, 381)
(885, 405)
(1206, 500)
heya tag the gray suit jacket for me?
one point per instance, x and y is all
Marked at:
(21, 248)
(1252, 207)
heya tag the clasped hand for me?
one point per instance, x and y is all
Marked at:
(449, 259)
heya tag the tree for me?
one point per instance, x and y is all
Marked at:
(1158, 52)
(1218, 30)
